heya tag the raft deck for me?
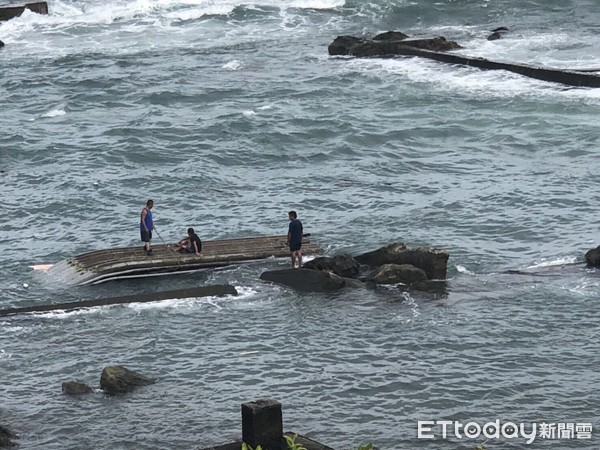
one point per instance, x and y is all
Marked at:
(132, 262)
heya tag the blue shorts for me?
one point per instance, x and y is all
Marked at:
(295, 246)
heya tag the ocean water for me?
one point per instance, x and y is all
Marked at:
(229, 114)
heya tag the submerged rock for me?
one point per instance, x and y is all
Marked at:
(76, 388)
(6, 438)
(119, 380)
(305, 280)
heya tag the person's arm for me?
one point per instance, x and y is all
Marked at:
(143, 219)
(289, 236)
(197, 251)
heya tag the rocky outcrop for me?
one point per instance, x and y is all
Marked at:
(76, 388)
(1, 44)
(437, 49)
(592, 257)
(9, 12)
(6, 438)
(392, 264)
(305, 280)
(119, 380)
(389, 43)
(343, 265)
(432, 261)
(398, 273)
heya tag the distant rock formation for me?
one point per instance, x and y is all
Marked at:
(1, 44)
(120, 380)
(392, 264)
(9, 12)
(394, 43)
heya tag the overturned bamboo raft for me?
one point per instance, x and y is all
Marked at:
(132, 262)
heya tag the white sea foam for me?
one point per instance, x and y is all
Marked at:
(4, 354)
(248, 113)
(561, 261)
(232, 65)
(462, 269)
(54, 113)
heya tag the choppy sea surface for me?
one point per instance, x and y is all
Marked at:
(229, 114)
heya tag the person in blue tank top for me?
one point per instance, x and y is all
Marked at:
(146, 226)
(294, 239)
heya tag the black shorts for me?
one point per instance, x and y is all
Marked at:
(295, 246)
(146, 235)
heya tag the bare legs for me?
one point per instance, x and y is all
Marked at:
(296, 255)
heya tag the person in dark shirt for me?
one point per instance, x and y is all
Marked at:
(294, 239)
(191, 243)
(146, 226)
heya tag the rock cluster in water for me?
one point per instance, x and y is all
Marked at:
(392, 264)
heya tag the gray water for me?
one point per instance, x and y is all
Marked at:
(230, 114)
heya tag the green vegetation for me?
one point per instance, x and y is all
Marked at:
(365, 447)
(291, 442)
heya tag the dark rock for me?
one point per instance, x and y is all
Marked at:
(436, 49)
(76, 388)
(592, 257)
(305, 280)
(494, 36)
(348, 45)
(119, 380)
(398, 273)
(391, 36)
(497, 33)
(343, 265)
(9, 12)
(1, 44)
(342, 44)
(432, 261)
(6, 438)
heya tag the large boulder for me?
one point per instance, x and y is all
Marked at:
(398, 273)
(305, 280)
(389, 43)
(343, 265)
(6, 438)
(592, 257)
(433, 261)
(1, 44)
(119, 380)
(76, 388)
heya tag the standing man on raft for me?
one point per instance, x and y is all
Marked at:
(146, 226)
(294, 239)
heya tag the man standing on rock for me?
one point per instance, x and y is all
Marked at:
(294, 239)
